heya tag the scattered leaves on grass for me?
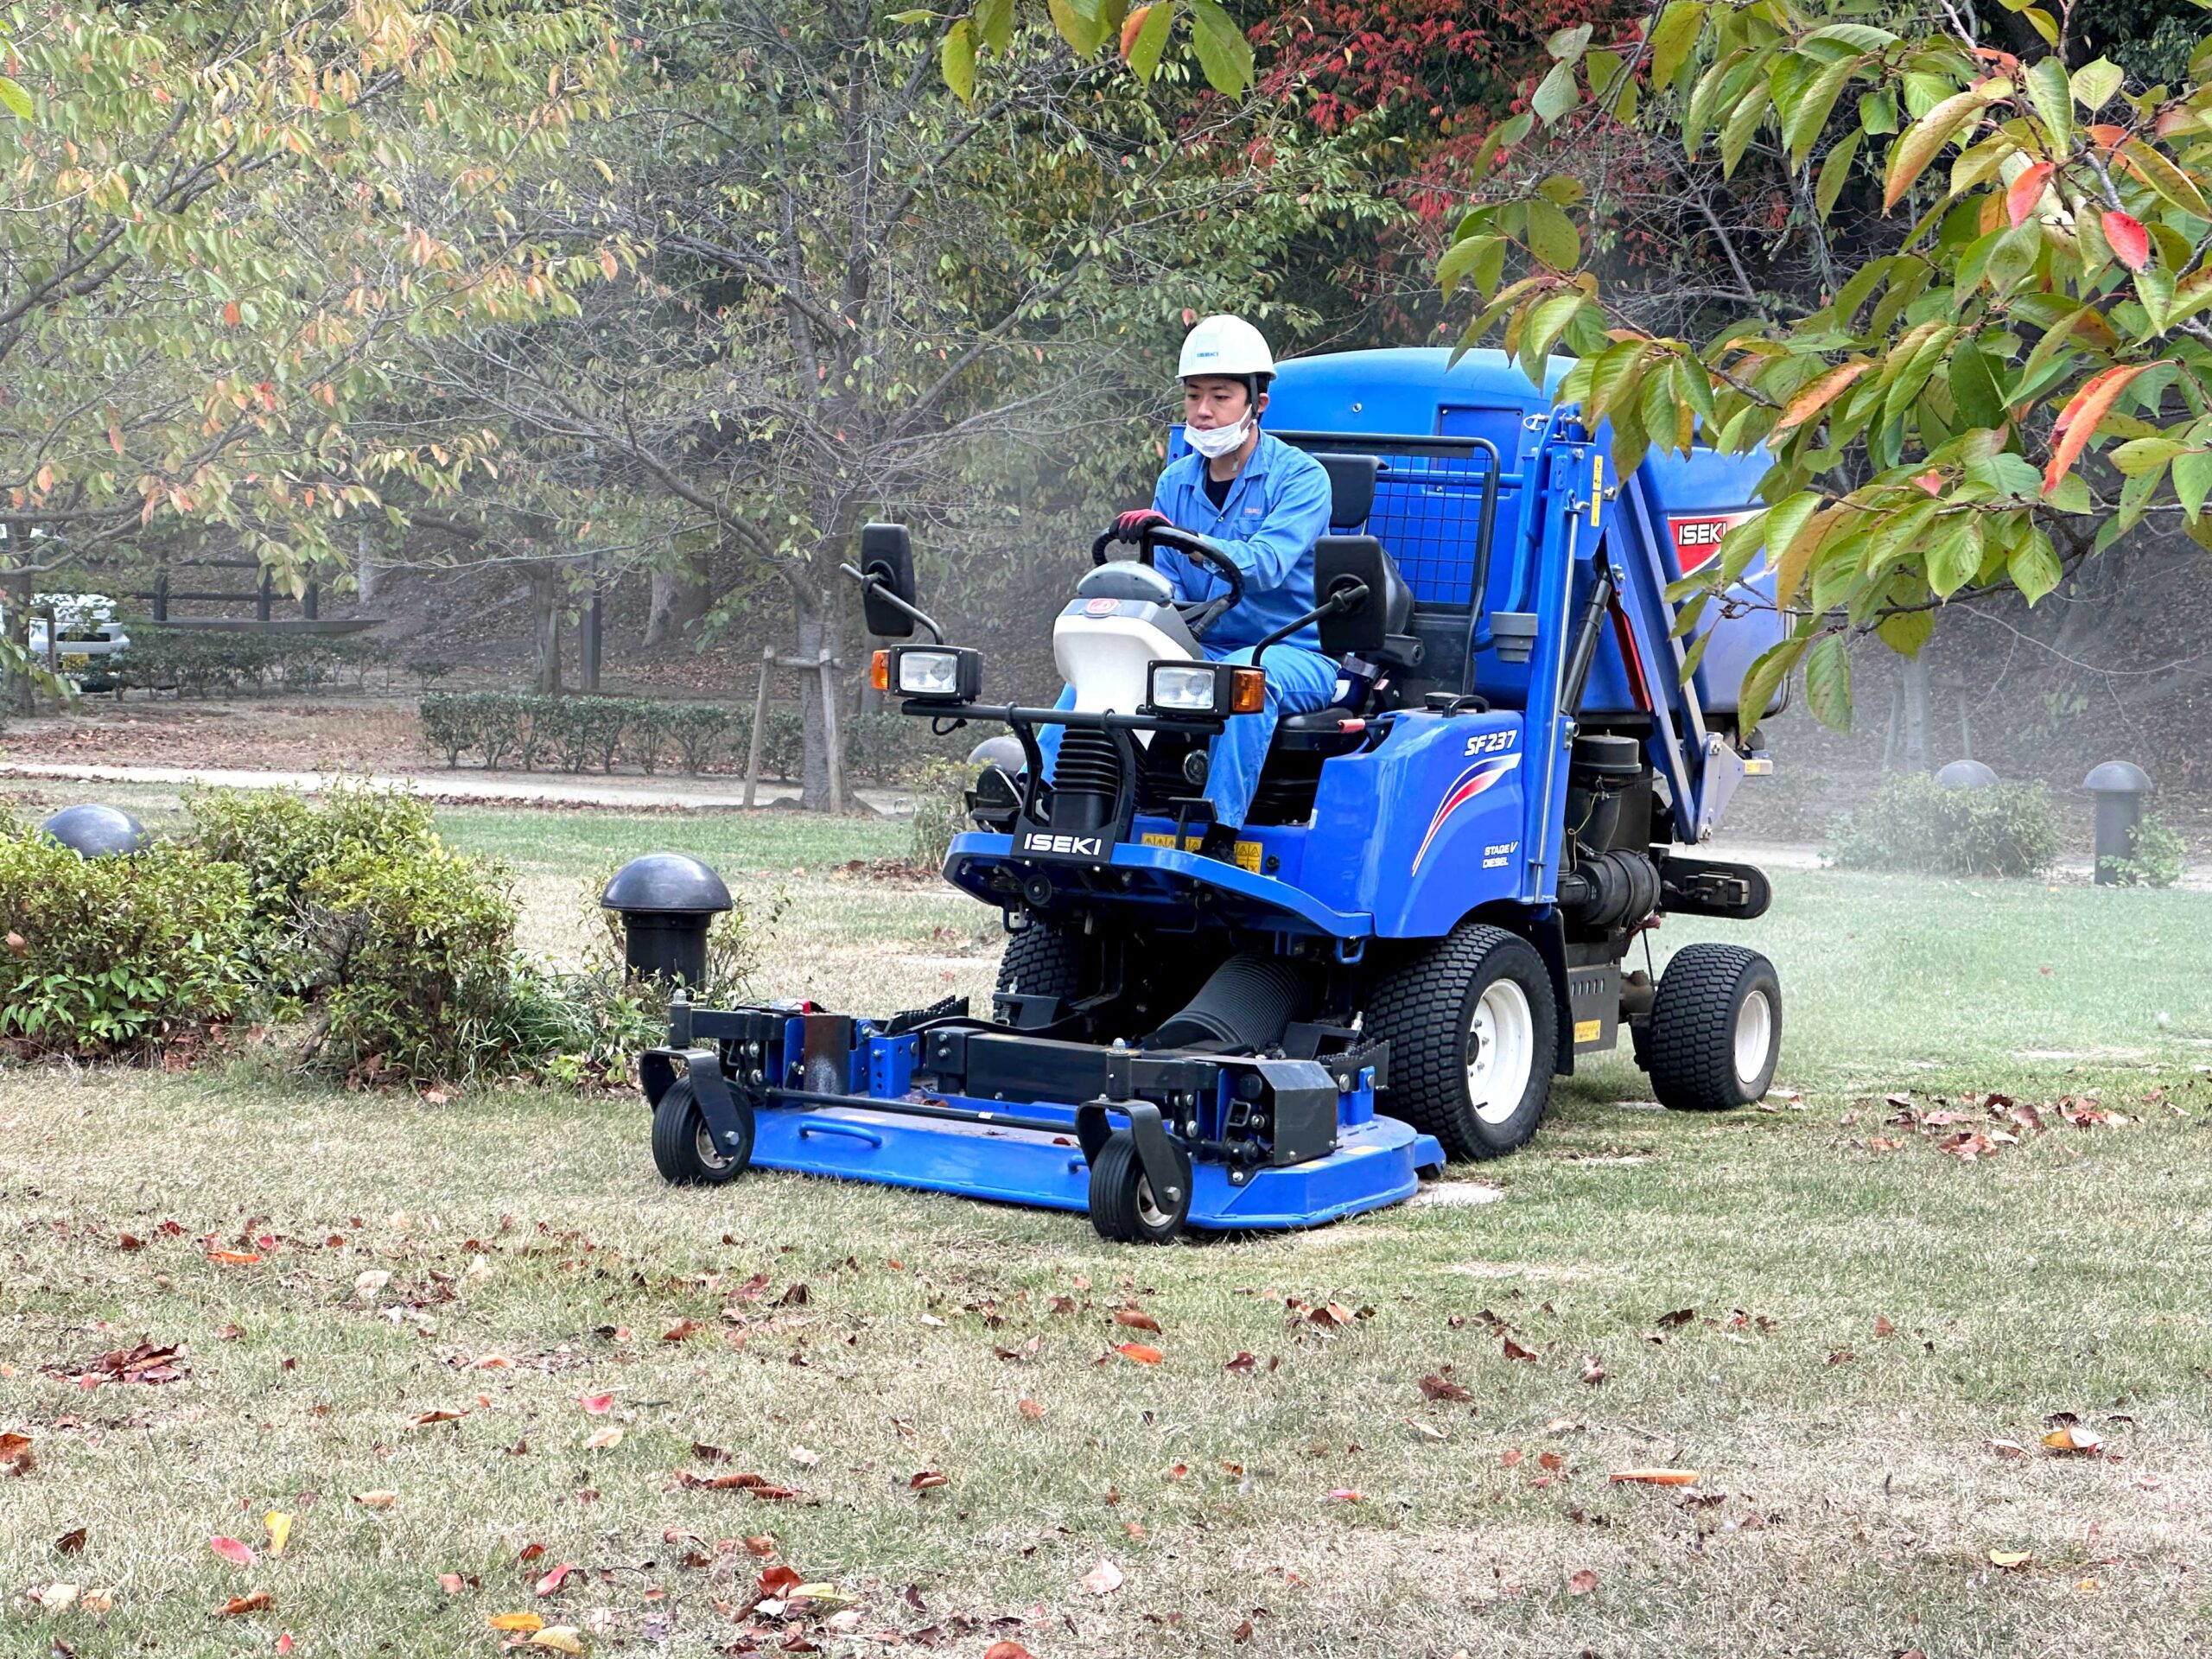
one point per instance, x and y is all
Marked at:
(452, 1583)
(522, 1624)
(1593, 1373)
(234, 1258)
(72, 1542)
(558, 1638)
(1241, 1364)
(1139, 1353)
(16, 1457)
(376, 1500)
(779, 1580)
(923, 1480)
(1582, 1583)
(2012, 1560)
(752, 1485)
(1882, 1326)
(437, 1414)
(1136, 1320)
(1656, 1476)
(551, 1580)
(604, 1440)
(760, 1543)
(368, 1285)
(232, 1550)
(596, 1405)
(1331, 1315)
(252, 1602)
(280, 1530)
(1007, 1651)
(2072, 1438)
(1681, 1315)
(1103, 1579)
(1029, 1409)
(144, 1364)
(681, 1331)
(1515, 1351)
(51, 1597)
(2007, 1448)
(1434, 1387)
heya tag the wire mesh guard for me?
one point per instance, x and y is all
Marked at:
(1427, 507)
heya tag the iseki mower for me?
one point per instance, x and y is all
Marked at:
(1430, 909)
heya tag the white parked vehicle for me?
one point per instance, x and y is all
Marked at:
(85, 637)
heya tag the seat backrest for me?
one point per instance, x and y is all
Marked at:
(1351, 488)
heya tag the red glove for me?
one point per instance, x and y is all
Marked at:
(1131, 526)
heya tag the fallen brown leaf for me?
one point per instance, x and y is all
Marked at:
(1136, 1320)
(1103, 1579)
(1139, 1353)
(252, 1602)
(1582, 1583)
(1656, 1476)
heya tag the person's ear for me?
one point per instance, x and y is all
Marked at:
(1260, 407)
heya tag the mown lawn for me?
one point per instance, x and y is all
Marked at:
(1867, 1315)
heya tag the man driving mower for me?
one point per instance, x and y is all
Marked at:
(1263, 504)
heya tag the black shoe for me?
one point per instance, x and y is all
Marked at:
(1220, 843)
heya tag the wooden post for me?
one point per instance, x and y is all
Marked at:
(760, 719)
(829, 732)
(587, 669)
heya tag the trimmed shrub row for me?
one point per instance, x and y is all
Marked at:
(511, 728)
(209, 663)
(1913, 822)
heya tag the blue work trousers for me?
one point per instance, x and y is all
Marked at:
(1299, 683)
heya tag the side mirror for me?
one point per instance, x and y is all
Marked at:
(887, 555)
(1339, 561)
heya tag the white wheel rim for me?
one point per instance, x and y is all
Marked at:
(1502, 1038)
(1148, 1212)
(703, 1143)
(1754, 1036)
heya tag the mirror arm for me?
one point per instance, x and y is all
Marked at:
(881, 589)
(1344, 596)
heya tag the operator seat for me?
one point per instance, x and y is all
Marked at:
(1352, 499)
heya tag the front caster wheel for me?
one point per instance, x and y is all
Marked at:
(1124, 1208)
(683, 1147)
(1716, 1029)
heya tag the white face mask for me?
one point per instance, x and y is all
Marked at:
(1217, 442)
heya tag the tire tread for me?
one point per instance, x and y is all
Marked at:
(1417, 1007)
(1689, 1048)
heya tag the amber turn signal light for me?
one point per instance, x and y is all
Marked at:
(1248, 690)
(878, 670)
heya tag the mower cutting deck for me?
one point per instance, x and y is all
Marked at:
(1429, 905)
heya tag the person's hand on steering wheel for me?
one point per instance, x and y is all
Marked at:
(1131, 526)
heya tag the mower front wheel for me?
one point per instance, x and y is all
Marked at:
(1715, 1031)
(1124, 1207)
(1472, 1028)
(683, 1147)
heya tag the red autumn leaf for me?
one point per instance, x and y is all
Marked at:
(1346, 1495)
(284, 1642)
(596, 1405)
(438, 1415)
(1883, 1328)
(681, 1331)
(452, 1583)
(1007, 1650)
(1139, 1353)
(553, 1580)
(1129, 28)
(231, 313)
(1582, 1583)
(252, 1602)
(1550, 1460)
(531, 1552)
(1029, 1409)
(779, 1579)
(1512, 1457)
(1438, 1388)
(2078, 422)
(2020, 198)
(232, 1550)
(1241, 1363)
(923, 1479)
(760, 1544)
(2129, 241)
(1136, 1320)
(235, 1258)
(1515, 1351)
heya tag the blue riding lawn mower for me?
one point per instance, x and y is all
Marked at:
(1430, 909)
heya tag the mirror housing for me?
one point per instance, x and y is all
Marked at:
(887, 555)
(1365, 631)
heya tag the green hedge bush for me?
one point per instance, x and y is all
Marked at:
(572, 733)
(219, 661)
(2156, 855)
(1913, 822)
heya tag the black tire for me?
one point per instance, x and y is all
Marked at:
(1044, 961)
(1123, 1209)
(684, 1150)
(1709, 996)
(1426, 1010)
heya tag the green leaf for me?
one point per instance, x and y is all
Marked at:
(1835, 170)
(2034, 566)
(1828, 683)
(1224, 52)
(956, 58)
(1151, 40)
(1608, 82)
(1545, 324)
(2094, 84)
(2053, 101)
(995, 24)
(2168, 181)
(1556, 94)
(2043, 22)
(1877, 113)
(2193, 479)
(1810, 113)
(1955, 556)
(1461, 259)
(2142, 457)
(1764, 677)
(1924, 140)
(1679, 28)
(1567, 44)
(1973, 381)
(1085, 35)
(1906, 632)
(1551, 236)
(15, 99)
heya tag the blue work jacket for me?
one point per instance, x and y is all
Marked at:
(1278, 506)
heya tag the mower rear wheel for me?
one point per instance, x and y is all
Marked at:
(1124, 1207)
(1043, 961)
(683, 1147)
(1716, 1029)
(1472, 1028)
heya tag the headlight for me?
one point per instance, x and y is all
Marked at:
(1183, 690)
(954, 675)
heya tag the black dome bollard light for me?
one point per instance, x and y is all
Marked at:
(2117, 787)
(667, 902)
(1966, 774)
(95, 831)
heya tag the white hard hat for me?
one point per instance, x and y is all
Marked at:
(1224, 345)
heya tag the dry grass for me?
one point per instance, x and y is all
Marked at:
(1848, 1502)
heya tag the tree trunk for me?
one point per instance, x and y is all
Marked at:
(1914, 680)
(814, 637)
(680, 597)
(548, 598)
(365, 573)
(20, 698)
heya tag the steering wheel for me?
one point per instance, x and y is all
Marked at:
(1199, 615)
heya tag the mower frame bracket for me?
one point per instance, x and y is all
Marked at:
(1166, 1163)
(711, 1090)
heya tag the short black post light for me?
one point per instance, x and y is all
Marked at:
(1966, 774)
(95, 831)
(2117, 787)
(667, 902)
